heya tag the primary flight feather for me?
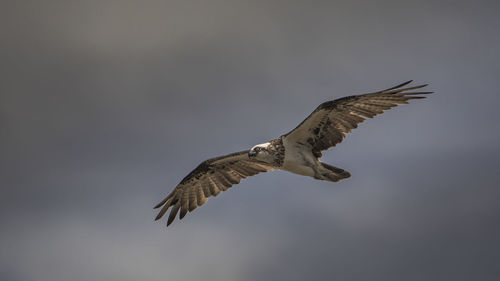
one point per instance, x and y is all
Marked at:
(297, 152)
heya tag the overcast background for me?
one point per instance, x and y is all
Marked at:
(106, 105)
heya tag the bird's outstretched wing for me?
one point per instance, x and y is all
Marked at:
(328, 124)
(209, 179)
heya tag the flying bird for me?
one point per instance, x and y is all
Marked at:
(297, 151)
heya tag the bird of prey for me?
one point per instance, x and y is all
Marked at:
(297, 151)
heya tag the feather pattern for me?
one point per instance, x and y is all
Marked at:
(209, 179)
(327, 126)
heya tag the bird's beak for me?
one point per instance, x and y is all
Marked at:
(252, 153)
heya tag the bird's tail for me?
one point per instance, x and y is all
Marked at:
(333, 173)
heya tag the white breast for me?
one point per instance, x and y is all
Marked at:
(298, 159)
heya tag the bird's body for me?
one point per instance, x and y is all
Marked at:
(297, 159)
(288, 155)
(297, 152)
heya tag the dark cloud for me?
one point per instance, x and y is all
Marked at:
(106, 105)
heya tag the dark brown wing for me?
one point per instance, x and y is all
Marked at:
(209, 179)
(332, 120)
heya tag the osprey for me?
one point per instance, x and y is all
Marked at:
(297, 151)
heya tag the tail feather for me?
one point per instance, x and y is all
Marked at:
(335, 174)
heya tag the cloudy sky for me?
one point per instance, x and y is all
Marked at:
(106, 105)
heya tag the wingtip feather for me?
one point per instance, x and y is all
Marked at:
(164, 201)
(418, 93)
(173, 213)
(404, 83)
(398, 86)
(162, 211)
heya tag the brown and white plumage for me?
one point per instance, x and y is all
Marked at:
(209, 179)
(328, 124)
(296, 152)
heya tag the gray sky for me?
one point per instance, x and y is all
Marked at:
(106, 105)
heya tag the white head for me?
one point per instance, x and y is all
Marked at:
(259, 151)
